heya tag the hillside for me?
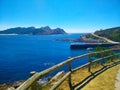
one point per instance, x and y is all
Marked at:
(33, 31)
(111, 33)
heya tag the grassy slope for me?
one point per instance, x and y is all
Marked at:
(104, 81)
(111, 33)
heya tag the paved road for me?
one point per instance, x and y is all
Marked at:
(117, 81)
(106, 39)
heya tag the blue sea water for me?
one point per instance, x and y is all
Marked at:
(21, 54)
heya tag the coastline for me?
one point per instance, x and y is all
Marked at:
(7, 34)
(86, 38)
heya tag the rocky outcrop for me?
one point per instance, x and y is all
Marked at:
(11, 86)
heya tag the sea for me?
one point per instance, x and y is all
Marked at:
(21, 54)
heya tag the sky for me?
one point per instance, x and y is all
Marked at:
(74, 16)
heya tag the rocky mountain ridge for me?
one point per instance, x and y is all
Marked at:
(33, 31)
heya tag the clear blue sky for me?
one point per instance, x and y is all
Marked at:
(71, 15)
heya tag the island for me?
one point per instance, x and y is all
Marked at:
(33, 31)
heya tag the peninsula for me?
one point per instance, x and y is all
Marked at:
(106, 38)
(110, 35)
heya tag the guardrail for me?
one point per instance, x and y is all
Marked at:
(30, 84)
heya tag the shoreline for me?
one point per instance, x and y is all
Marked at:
(15, 84)
(86, 38)
(8, 34)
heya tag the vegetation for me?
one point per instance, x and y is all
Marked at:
(99, 48)
(111, 33)
(104, 54)
(104, 81)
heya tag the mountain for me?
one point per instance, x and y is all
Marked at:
(33, 31)
(111, 33)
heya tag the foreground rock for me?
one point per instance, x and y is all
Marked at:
(14, 85)
(57, 76)
(10, 86)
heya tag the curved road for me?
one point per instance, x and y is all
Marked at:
(106, 39)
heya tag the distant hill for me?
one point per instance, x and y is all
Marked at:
(33, 31)
(111, 33)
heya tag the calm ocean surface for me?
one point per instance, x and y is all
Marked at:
(20, 54)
